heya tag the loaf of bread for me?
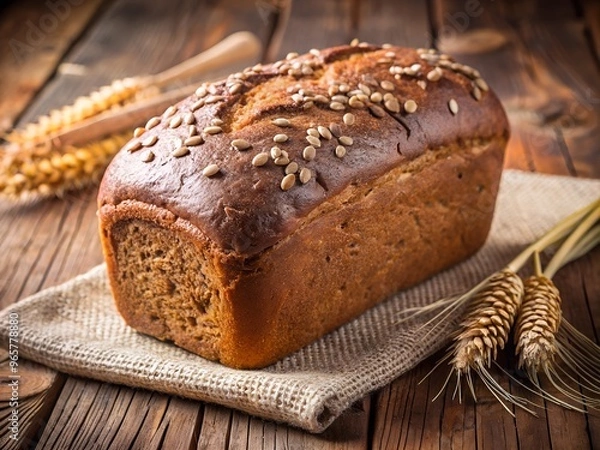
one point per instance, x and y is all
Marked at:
(267, 209)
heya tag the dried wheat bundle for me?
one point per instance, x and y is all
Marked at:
(490, 308)
(238, 46)
(51, 171)
(118, 93)
(71, 146)
(484, 331)
(547, 344)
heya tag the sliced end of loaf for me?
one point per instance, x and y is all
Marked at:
(163, 280)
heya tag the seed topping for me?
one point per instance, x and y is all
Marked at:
(171, 110)
(453, 106)
(213, 99)
(152, 123)
(309, 153)
(435, 74)
(210, 170)
(481, 84)
(283, 160)
(288, 181)
(260, 159)
(305, 175)
(280, 138)
(349, 119)
(213, 129)
(149, 141)
(340, 151)
(354, 102)
(387, 85)
(291, 168)
(201, 92)
(235, 88)
(336, 130)
(324, 132)
(139, 131)
(181, 151)
(377, 111)
(340, 98)
(241, 144)
(376, 97)
(392, 105)
(281, 122)
(346, 140)
(410, 106)
(194, 140)
(314, 141)
(175, 122)
(313, 132)
(148, 156)
(133, 146)
(275, 152)
(189, 118)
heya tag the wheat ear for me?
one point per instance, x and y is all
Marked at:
(51, 173)
(478, 338)
(483, 332)
(238, 46)
(547, 344)
(116, 94)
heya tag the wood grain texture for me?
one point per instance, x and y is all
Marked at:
(545, 74)
(33, 39)
(539, 58)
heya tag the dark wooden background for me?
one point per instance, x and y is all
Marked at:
(542, 58)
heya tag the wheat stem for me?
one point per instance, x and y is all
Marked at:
(545, 341)
(571, 242)
(560, 230)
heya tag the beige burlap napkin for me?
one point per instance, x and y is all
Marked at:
(74, 327)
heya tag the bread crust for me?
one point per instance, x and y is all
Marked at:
(413, 194)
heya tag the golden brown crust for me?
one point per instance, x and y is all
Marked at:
(247, 224)
(282, 264)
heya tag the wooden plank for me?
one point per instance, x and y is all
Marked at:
(591, 14)
(579, 287)
(130, 418)
(544, 94)
(37, 389)
(129, 41)
(34, 37)
(331, 23)
(539, 83)
(41, 244)
(564, 49)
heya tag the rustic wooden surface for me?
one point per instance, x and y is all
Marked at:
(542, 58)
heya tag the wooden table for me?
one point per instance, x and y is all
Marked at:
(541, 60)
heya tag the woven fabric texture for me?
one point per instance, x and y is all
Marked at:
(75, 328)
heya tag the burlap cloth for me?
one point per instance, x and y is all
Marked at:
(74, 327)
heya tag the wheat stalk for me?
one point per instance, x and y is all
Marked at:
(492, 305)
(116, 94)
(70, 147)
(49, 172)
(537, 324)
(546, 342)
(483, 332)
(240, 45)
